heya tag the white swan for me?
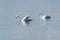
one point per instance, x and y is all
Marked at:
(44, 17)
(26, 19)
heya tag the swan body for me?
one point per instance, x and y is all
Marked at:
(26, 19)
(44, 17)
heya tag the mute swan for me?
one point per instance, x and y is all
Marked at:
(44, 17)
(26, 19)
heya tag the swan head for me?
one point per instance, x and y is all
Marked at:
(17, 16)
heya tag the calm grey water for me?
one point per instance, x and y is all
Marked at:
(37, 29)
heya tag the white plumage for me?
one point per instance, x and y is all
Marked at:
(44, 17)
